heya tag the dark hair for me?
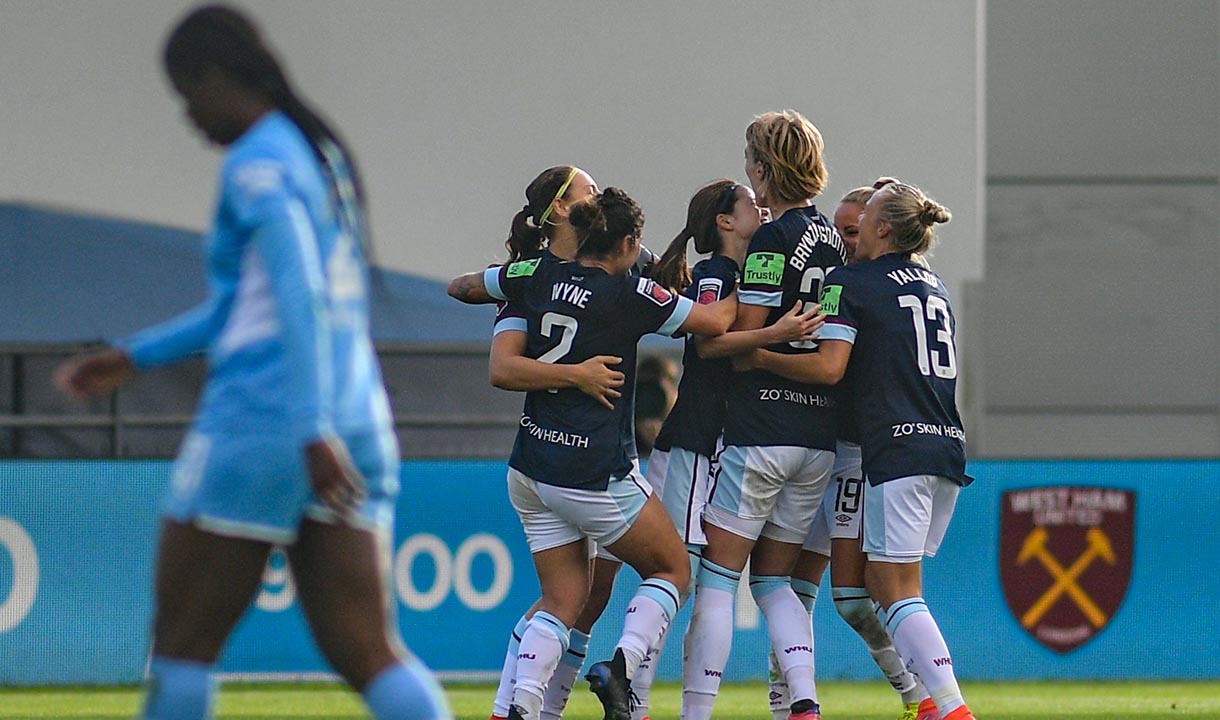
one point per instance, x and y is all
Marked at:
(605, 219)
(221, 37)
(671, 270)
(527, 233)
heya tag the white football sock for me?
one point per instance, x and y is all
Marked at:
(918, 640)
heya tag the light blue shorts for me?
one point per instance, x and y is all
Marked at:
(257, 486)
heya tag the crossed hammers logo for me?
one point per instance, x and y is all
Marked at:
(1035, 546)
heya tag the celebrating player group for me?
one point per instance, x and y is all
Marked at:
(815, 423)
(815, 426)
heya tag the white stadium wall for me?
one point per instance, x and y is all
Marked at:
(453, 107)
(1093, 176)
(1103, 220)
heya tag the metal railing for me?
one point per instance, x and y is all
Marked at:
(15, 396)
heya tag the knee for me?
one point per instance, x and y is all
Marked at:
(761, 586)
(568, 607)
(856, 612)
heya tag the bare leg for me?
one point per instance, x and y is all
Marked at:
(342, 573)
(204, 584)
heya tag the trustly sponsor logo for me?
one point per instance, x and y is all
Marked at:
(1066, 555)
(764, 268)
(830, 299)
(524, 268)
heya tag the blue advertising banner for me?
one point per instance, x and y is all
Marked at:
(1050, 569)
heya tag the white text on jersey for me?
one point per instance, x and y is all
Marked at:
(902, 276)
(814, 235)
(574, 294)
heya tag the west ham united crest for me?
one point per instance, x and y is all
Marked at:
(1066, 555)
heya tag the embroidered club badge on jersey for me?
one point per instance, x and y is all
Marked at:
(709, 290)
(653, 291)
(1066, 555)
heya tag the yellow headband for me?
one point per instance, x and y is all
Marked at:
(562, 189)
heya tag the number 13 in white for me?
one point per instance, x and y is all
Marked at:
(941, 362)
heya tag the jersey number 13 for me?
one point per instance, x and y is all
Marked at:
(932, 319)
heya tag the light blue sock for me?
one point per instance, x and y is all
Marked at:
(407, 691)
(807, 592)
(179, 690)
(578, 647)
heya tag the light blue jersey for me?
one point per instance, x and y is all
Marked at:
(285, 329)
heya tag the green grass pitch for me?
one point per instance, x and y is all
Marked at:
(744, 701)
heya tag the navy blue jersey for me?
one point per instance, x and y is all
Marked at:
(573, 313)
(697, 418)
(903, 367)
(849, 430)
(787, 262)
(511, 317)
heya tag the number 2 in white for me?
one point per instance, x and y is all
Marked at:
(941, 362)
(811, 287)
(568, 325)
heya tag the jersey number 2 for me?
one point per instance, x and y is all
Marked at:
(811, 287)
(941, 362)
(567, 325)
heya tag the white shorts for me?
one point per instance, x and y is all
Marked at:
(842, 509)
(906, 519)
(599, 551)
(771, 491)
(681, 479)
(555, 516)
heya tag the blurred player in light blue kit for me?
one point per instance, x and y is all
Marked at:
(293, 443)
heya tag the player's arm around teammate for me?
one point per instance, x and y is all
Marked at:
(778, 435)
(894, 317)
(310, 461)
(572, 475)
(835, 538)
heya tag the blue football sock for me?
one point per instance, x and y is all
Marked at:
(407, 691)
(179, 690)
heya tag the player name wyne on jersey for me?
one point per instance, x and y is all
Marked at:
(570, 293)
(814, 235)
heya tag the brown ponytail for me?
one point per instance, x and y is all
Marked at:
(527, 235)
(707, 202)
